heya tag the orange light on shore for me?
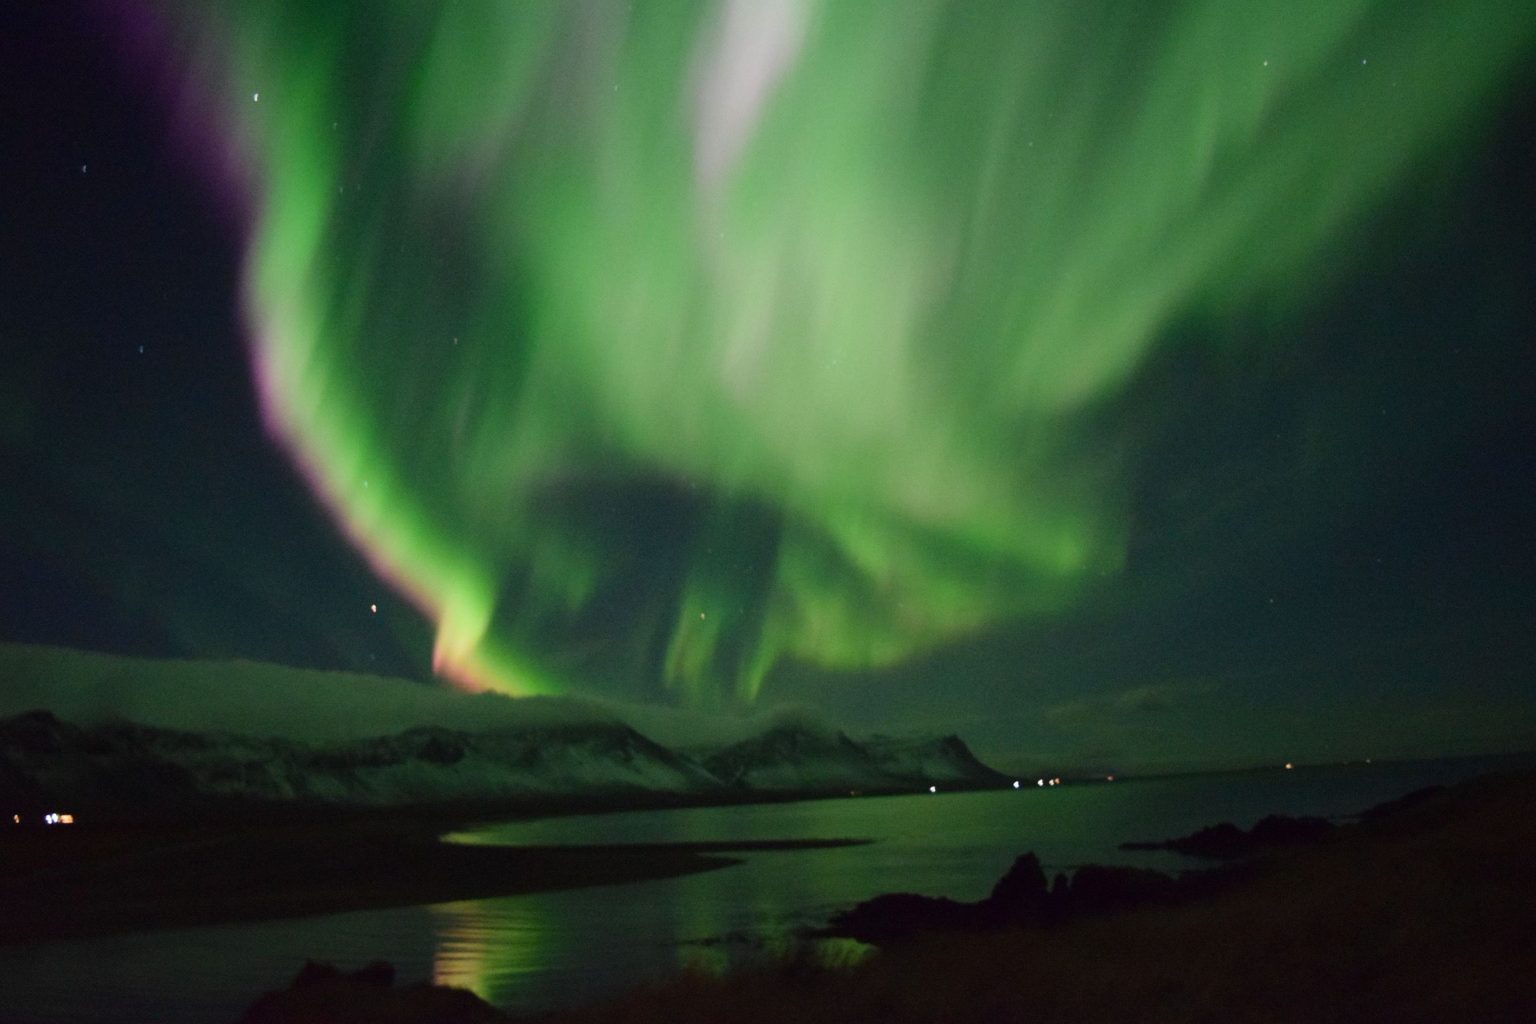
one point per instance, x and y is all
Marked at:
(1289, 766)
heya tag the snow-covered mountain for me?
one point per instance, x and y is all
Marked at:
(796, 756)
(119, 765)
(924, 759)
(805, 756)
(46, 763)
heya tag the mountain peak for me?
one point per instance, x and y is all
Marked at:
(123, 767)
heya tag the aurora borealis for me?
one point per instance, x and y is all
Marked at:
(833, 291)
(922, 354)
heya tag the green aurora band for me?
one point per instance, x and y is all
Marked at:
(646, 345)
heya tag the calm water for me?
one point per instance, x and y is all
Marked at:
(557, 949)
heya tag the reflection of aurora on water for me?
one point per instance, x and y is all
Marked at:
(475, 946)
(548, 949)
(644, 348)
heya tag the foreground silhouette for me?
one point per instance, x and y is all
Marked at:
(1425, 911)
(1228, 842)
(1021, 898)
(321, 994)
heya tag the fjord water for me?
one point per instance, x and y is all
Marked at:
(565, 948)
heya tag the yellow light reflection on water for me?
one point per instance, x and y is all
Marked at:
(481, 941)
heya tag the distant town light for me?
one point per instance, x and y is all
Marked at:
(66, 819)
(1289, 766)
(933, 789)
(1109, 778)
(1015, 783)
(1039, 782)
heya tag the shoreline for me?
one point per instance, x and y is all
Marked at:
(1432, 892)
(245, 864)
(1423, 911)
(63, 884)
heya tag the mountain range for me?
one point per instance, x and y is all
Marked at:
(123, 769)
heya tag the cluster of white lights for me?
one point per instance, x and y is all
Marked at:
(51, 818)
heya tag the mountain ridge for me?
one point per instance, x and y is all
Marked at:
(120, 768)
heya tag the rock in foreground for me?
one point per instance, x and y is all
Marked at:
(1228, 842)
(322, 994)
(1020, 898)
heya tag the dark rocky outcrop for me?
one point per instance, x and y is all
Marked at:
(322, 994)
(1020, 899)
(1109, 889)
(1406, 802)
(1284, 830)
(1021, 892)
(1228, 842)
(897, 916)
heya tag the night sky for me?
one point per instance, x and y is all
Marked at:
(1113, 383)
